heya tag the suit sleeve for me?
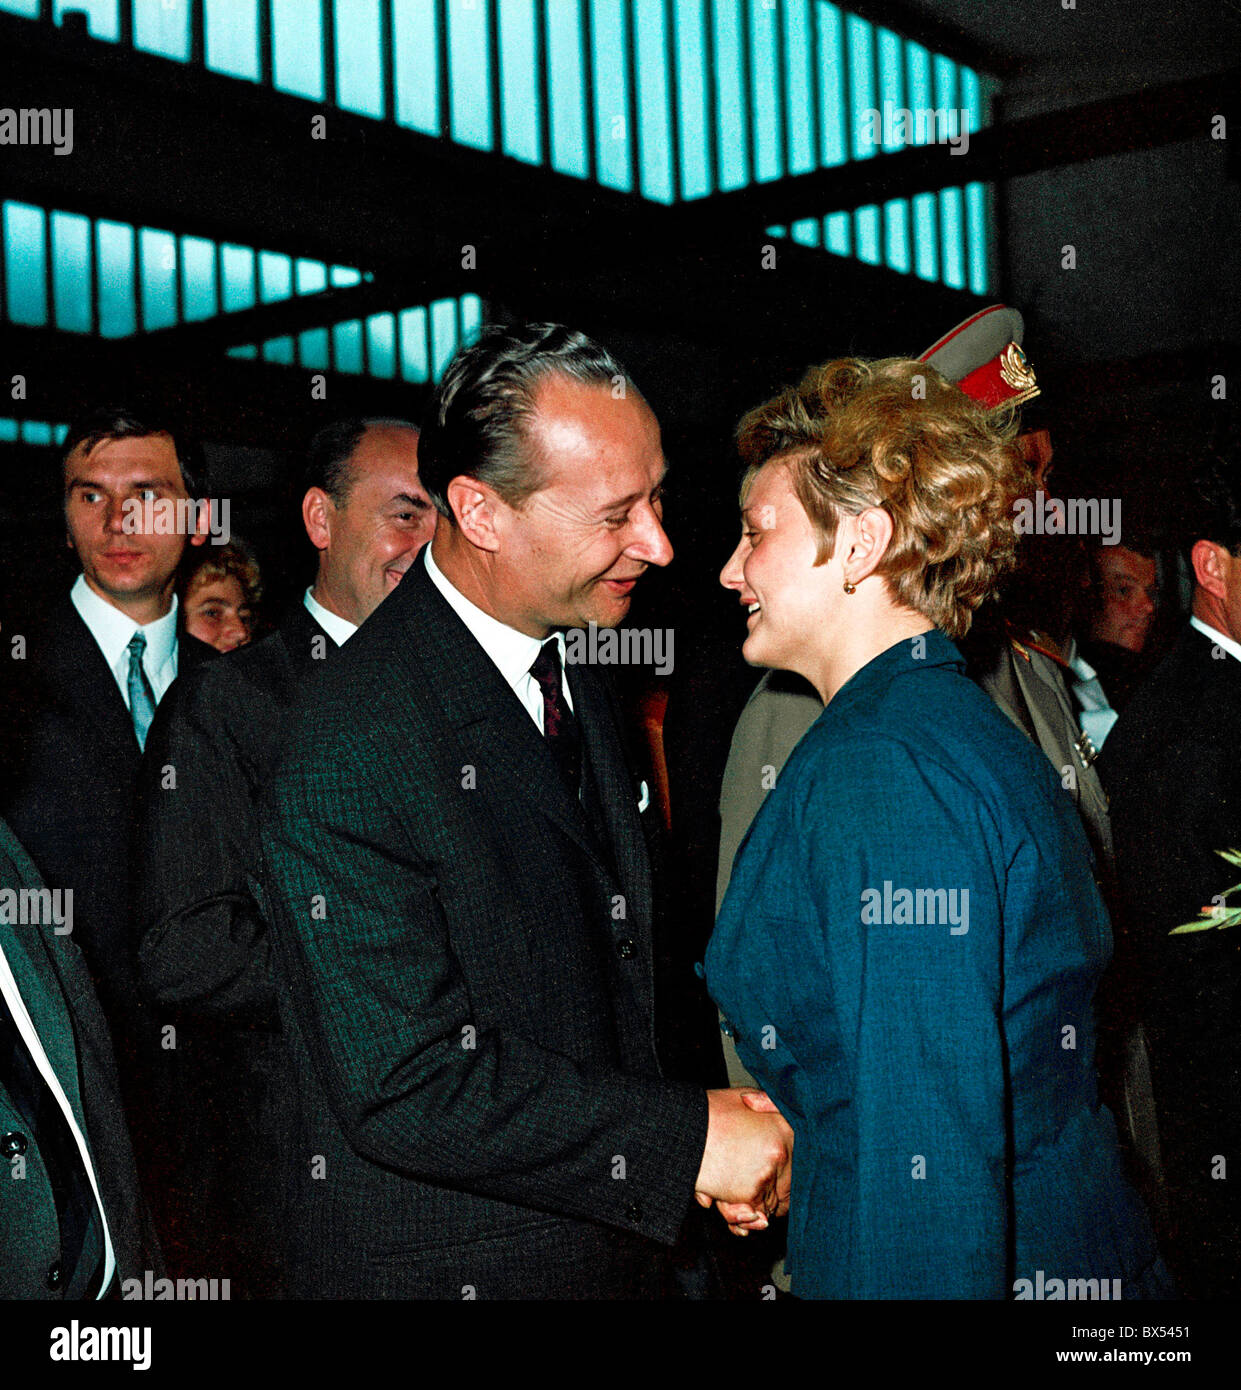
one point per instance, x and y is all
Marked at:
(202, 942)
(919, 1007)
(414, 1082)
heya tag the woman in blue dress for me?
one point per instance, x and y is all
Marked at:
(911, 941)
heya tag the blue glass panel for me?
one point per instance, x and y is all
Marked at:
(347, 346)
(28, 9)
(918, 76)
(891, 89)
(945, 78)
(654, 145)
(860, 37)
(776, 231)
(471, 317)
(8, 428)
(807, 231)
(799, 138)
(415, 68)
(732, 107)
(232, 37)
(36, 432)
(248, 350)
(838, 233)
(415, 363)
(311, 276)
(768, 156)
(25, 264)
(101, 16)
(157, 261)
(951, 224)
(614, 155)
(198, 287)
(564, 57)
(280, 351)
(297, 47)
(519, 81)
(926, 236)
(163, 27)
(694, 109)
(469, 98)
(312, 349)
(972, 100)
(443, 334)
(833, 118)
(343, 276)
(237, 270)
(59, 433)
(976, 236)
(275, 277)
(866, 226)
(896, 235)
(71, 272)
(114, 257)
(359, 72)
(381, 345)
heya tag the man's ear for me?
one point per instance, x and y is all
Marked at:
(202, 522)
(868, 536)
(1208, 565)
(475, 507)
(316, 516)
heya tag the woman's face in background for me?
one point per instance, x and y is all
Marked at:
(216, 612)
(774, 575)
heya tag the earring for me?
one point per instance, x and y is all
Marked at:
(850, 588)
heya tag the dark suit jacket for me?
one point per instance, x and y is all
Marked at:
(464, 974)
(69, 770)
(202, 943)
(1172, 766)
(57, 990)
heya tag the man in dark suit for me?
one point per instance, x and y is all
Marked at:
(1172, 766)
(459, 888)
(81, 701)
(203, 946)
(74, 1224)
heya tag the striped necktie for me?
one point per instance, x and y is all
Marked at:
(141, 696)
(559, 726)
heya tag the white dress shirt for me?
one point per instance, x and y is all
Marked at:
(339, 629)
(512, 652)
(1215, 635)
(30, 1036)
(1094, 712)
(113, 631)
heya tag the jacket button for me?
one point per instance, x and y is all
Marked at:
(13, 1143)
(55, 1277)
(633, 1212)
(625, 949)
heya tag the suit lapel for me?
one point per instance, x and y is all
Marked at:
(84, 679)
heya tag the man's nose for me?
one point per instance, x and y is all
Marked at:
(114, 517)
(235, 630)
(652, 544)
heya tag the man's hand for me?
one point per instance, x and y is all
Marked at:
(747, 1164)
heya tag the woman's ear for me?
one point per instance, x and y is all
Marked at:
(867, 536)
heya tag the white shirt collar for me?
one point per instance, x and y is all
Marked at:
(113, 631)
(339, 629)
(512, 652)
(1215, 635)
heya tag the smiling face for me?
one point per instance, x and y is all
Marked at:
(1127, 597)
(132, 569)
(572, 552)
(370, 540)
(790, 600)
(216, 611)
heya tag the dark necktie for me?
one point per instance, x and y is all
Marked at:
(560, 728)
(141, 696)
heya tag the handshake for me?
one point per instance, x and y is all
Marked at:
(747, 1164)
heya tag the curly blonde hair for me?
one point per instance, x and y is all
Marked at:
(895, 434)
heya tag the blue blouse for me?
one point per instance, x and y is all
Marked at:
(908, 954)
